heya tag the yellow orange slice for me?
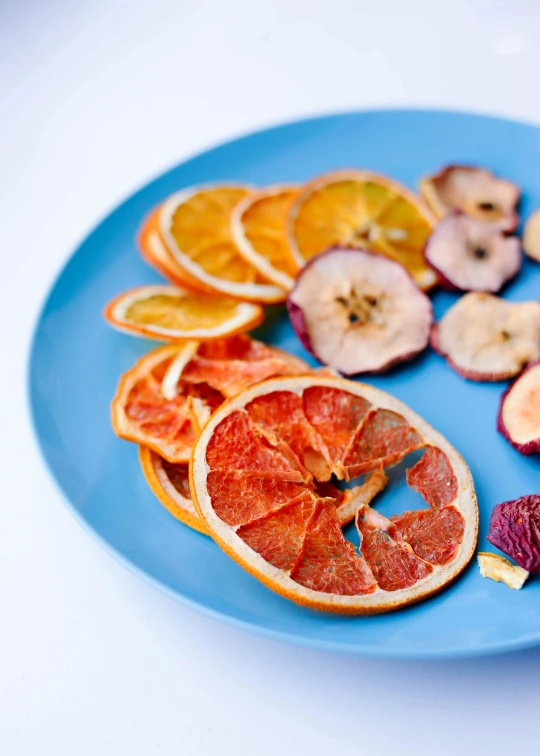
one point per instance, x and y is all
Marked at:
(169, 482)
(169, 313)
(362, 209)
(259, 231)
(258, 478)
(195, 228)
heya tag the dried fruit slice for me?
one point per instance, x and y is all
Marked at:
(285, 529)
(359, 312)
(485, 338)
(164, 400)
(519, 412)
(142, 414)
(501, 570)
(170, 484)
(531, 236)
(168, 313)
(362, 209)
(156, 254)
(475, 192)
(514, 528)
(383, 439)
(195, 228)
(259, 231)
(471, 255)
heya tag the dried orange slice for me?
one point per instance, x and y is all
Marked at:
(255, 479)
(259, 231)
(164, 400)
(169, 313)
(362, 209)
(193, 243)
(170, 484)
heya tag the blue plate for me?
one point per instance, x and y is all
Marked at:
(76, 361)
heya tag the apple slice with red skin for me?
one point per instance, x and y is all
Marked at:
(486, 338)
(471, 255)
(519, 412)
(475, 192)
(359, 312)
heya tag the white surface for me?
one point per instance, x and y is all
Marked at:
(95, 98)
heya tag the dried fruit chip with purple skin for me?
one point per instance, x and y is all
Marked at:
(475, 192)
(519, 412)
(531, 236)
(471, 255)
(359, 312)
(486, 338)
(514, 528)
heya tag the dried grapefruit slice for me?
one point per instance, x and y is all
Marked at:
(169, 313)
(259, 231)
(285, 528)
(195, 233)
(362, 209)
(170, 484)
(164, 400)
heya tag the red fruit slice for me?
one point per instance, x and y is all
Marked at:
(433, 478)
(434, 535)
(514, 528)
(359, 312)
(278, 535)
(239, 497)
(252, 452)
(328, 563)
(382, 440)
(393, 565)
(486, 338)
(519, 412)
(474, 191)
(471, 255)
(282, 415)
(336, 415)
(255, 505)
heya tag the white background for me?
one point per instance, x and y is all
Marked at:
(96, 98)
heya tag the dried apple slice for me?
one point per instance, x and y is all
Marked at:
(471, 255)
(514, 528)
(486, 338)
(359, 312)
(519, 412)
(531, 236)
(474, 191)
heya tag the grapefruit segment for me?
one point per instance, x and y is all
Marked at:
(328, 562)
(432, 476)
(287, 531)
(230, 376)
(278, 535)
(282, 415)
(383, 439)
(335, 415)
(433, 534)
(394, 566)
(239, 497)
(250, 450)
